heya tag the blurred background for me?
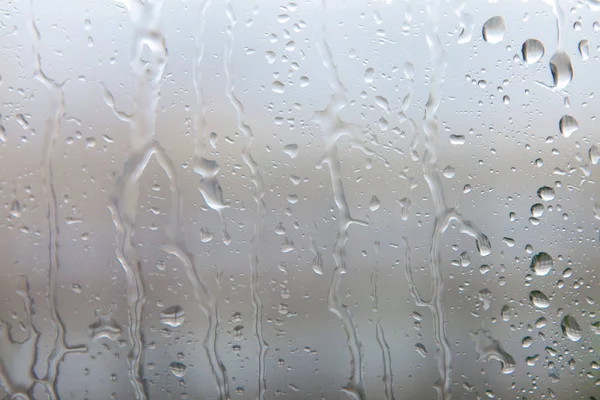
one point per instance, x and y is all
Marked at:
(341, 199)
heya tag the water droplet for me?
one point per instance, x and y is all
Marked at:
(369, 75)
(178, 369)
(527, 341)
(15, 208)
(172, 316)
(383, 103)
(539, 299)
(532, 50)
(449, 172)
(270, 56)
(421, 350)
(483, 245)
(291, 150)
(561, 69)
(541, 264)
(374, 204)
(304, 81)
(546, 193)
(571, 328)
(537, 210)
(278, 87)
(594, 154)
(485, 296)
(584, 49)
(568, 125)
(489, 348)
(104, 327)
(494, 29)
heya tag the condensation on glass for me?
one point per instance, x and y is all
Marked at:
(318, 200)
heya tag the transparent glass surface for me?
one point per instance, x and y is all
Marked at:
(317, 200)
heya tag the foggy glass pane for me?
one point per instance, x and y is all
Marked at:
(222, 199)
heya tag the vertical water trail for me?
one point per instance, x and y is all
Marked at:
(20, 387)
(259, 193)
(52, 131)
(334, 128)
(443, 214)
(388, 377)
(206, 300)
(145, 20)
(208, 169)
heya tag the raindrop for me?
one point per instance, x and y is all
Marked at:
(546, 193)
(449, 172)
(278, 87)
(537, 210)
(541, 264)
(561, 69)
(15, 208)
(489, 348)
(533, 50)
(571, 328)
(493, 30)
(291, 150)
(568, 125)
(539, 299)
(594, 154)
(172, 316)
(374, 204)
(369, 75)
(178, 369)
(584, 49)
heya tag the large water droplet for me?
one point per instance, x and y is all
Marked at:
(561, 69)
(291, 150)
(571, 328)
(546, 193)
(541, 264)
(178, 369)
(489, 348)
(533, 50)
(374, 204)
(539, 299)
(537, 210)
(172, 316)
(568, 125)
(493, 30)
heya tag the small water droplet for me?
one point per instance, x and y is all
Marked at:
(594, 154)
(584, 49)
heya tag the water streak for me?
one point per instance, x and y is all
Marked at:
(443, 215)
(208, 169)
(52, 132)
(334, 128)
(388, 377)
(147, 35)
(258, 195)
